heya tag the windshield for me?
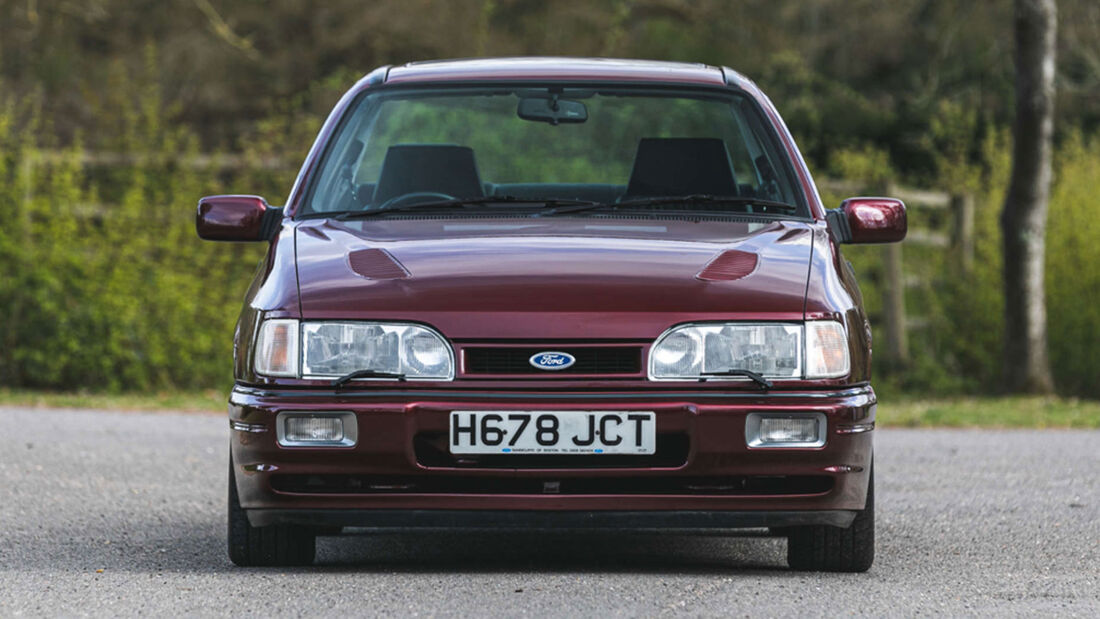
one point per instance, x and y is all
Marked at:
(401, 147)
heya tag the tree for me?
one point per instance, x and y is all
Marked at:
(1024, 218)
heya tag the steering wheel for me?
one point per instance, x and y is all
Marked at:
(414, 197)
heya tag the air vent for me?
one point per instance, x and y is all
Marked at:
(376, 264)
(729, 265)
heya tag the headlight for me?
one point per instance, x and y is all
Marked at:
(772, 350)
(333, 349)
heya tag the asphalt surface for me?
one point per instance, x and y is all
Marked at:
(107, 513)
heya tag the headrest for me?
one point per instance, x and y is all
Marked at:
(681, 166)
(438, 168)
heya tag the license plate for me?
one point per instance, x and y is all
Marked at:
(553, 432)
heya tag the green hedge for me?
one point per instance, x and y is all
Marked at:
(106, 287)
(959, 348)
(105, 284)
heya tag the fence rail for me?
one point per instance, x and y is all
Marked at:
(958, 238)
(926, 198)
(196, 161)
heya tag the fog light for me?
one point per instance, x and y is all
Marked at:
(322, 429)
(337, 429)
(793, 430)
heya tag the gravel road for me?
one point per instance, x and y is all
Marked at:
(109, 513)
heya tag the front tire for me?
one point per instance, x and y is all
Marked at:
(833, 549)
(275, 545)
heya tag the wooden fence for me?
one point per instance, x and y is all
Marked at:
(955, 232)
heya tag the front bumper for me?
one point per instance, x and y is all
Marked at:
(704, 476)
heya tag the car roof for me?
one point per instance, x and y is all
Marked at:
(561, 68)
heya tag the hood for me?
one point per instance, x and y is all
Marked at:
(554, 279)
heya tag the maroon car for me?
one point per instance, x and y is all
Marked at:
(550, 293)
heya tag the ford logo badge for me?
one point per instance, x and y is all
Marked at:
(552, 360)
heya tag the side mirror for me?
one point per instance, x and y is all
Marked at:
(869, 220)
(236, 218)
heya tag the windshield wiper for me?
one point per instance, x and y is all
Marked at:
(464, 202)
(743, 201)
(764, 383)
(350, 376)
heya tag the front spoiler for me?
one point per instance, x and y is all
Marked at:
(685, 522)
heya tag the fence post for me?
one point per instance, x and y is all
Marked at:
(893, 307)
(893, 302)
(962, 205)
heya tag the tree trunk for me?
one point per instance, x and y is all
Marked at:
(1023, 220)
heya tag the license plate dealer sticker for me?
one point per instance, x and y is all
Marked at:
(553, 432)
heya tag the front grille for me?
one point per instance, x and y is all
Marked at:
(506, 360)
(697, 486)
(433, 450)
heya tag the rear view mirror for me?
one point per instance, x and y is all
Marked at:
(869, 220)
(236, 218)
(552, 110)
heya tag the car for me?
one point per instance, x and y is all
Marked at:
(553, 294)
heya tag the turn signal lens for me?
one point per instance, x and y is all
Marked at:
(826, 350)
(277, 348)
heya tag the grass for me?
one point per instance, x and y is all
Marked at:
(998, 412)
(968, 412)
(210, 401)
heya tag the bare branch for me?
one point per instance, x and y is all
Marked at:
(225, 32)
